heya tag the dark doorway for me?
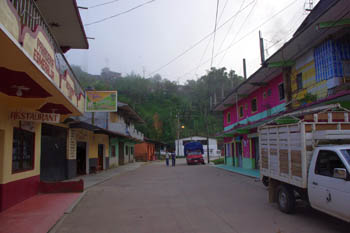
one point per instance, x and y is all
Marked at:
(232, 153)
(256, 151)
(239, 154)
(53, 162)
(121, 153)
(100, 157)
(81, 158)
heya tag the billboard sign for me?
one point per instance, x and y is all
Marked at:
(101, 101)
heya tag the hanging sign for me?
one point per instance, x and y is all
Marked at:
(101, 101)
(35, 116)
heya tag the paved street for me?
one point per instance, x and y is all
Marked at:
(155, 198)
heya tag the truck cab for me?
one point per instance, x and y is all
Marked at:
(329, 181)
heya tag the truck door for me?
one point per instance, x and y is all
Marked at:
(327, 193)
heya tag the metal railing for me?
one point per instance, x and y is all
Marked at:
(31, 17)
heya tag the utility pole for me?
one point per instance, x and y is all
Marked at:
(178, 135)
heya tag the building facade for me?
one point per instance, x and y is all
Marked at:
(38, 91)
(311, 69)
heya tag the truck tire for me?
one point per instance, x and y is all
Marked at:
(285, 199)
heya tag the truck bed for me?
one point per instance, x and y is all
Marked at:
(286, 150)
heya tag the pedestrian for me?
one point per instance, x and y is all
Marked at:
(173, 157)
(167, 159)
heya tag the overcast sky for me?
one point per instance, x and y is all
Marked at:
(144, 40)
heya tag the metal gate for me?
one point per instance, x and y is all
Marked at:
(53, 162)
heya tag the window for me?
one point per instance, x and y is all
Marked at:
(228, 117)
(254, 105)
(127, 150)
(299, 81)
(132, 150)
(264, 95)
(269, 92)
(326, 162)
(246, 106)
(241, 114)
(23, 150)
(281, 91)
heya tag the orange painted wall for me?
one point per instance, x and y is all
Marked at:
(145, 151)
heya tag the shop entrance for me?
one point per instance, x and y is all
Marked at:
(81, 158)
(121, 153)
(53, 162)
(100, 156)
(256, 151)
(239, 154)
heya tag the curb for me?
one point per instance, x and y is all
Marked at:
(254, 177)
(68, 211)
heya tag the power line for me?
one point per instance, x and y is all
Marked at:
(243, 37)
(198, 42)
(228, 31)
(239, 30)
(216, 21)
(119, 14)
(207, 46)
(102, 4)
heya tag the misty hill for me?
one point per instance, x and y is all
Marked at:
(159, 101)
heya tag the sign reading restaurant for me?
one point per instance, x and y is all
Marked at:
(35, 116)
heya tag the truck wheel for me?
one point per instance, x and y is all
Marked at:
(285, 199)
(265, 181)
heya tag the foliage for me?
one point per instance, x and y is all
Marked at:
(219, 161)
(160, 101)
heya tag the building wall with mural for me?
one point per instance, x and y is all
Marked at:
(320, 72)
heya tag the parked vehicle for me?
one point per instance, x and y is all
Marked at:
(309, 160)
(194, 153)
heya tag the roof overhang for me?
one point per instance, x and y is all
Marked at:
(127, 111)
(300, 44)
(65, 23)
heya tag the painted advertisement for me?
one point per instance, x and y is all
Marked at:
(101, 101)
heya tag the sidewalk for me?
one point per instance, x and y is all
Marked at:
(247, 172)
(40, 213)
(96, 178)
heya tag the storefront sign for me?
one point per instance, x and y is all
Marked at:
(101, 101)
(44, 59)
(35, 116)
(72, 144)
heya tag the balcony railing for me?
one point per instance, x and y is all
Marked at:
(31, 17)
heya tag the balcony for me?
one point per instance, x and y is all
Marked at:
(26, 35)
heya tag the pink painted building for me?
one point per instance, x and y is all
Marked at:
(251, 104)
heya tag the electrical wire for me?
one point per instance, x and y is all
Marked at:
(228, 31)
(240, 39)
(119, 14)
(239, 30)
(207, 46)
(216, 21)
(198, 42)
(102, 4)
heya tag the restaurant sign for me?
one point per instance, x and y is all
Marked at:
(35, 116)
(101, 101)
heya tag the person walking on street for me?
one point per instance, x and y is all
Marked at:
(173, 157)
(167, 159)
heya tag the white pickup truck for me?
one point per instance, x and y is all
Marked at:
(308, 160)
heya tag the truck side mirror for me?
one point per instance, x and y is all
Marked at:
(340, 173)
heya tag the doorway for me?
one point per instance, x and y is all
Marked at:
(53, 164)
(81, 158)
(121, 153)
(100, 156)
(255, 142)
(239, 153)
